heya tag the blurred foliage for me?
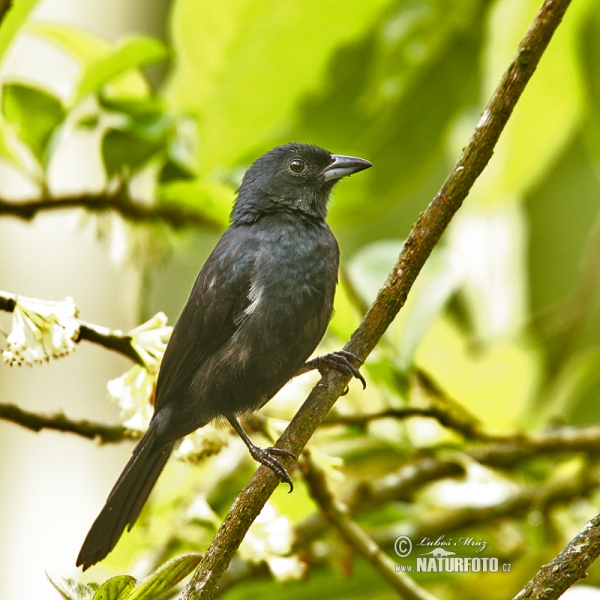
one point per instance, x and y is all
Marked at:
(502, 323)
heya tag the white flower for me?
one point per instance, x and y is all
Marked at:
(41, 330)
(150, 340)
(287, 568)
(269, 540)
(202, 443)
(133, 391)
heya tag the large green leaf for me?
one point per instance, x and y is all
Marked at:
(34, 113)
(133, 53)
(103, 64)
(129, 149)
(166, 577)
(13, 21)
(116, 588)
(82, 45)
(242, 65)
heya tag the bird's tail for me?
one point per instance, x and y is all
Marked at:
(126, 499)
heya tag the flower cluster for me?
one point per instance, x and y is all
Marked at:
(269, 539)
(134, 390)
(41, 330)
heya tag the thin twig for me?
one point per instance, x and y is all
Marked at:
(402, 484)
(173, 216)
(337, 514)
(423, 237)
(113, 339)
(59, 422)
(525, 500)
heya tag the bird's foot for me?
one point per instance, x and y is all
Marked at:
(341, 361)
(268, 457)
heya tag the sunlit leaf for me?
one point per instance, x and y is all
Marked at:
(136, 108)
(133, 53)
(116, 588)
(166, 576)
(34, 114)
(13, 21)
(242, 65)
(115, 68)
(132, 148)
(79, 43)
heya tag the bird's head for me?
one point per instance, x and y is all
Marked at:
(296, 177)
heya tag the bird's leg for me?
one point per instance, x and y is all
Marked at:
(266, 456)
(340, 360)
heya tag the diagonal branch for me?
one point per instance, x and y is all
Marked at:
(423, 237)
(553, 579)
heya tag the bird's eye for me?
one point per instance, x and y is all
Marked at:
(297, 166)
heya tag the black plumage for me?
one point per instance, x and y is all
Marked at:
(257, 311)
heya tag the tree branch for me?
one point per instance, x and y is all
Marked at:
(568, 567)
(113, 339)
(525, 500)
(59, 422)
(423, 237)
(338, 515)
(402, 484)
(174, 216)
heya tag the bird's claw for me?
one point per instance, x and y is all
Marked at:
(268, 457)
(341, 361)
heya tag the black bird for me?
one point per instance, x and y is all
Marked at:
(258, 309)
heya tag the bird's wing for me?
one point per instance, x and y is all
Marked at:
(211, 314)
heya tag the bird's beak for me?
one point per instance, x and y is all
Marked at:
(343, 166)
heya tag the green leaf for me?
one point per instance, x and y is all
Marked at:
(133, 53)
(173, 171)
(132, 148)
(103, 64)
(69, 588)
(13, 21)
(116, 588)
(81, 44)
(137, 108)
(6, 150)
(34, 113)
(242, 65)
(166, 577)
(385, 102)
(88, 122)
